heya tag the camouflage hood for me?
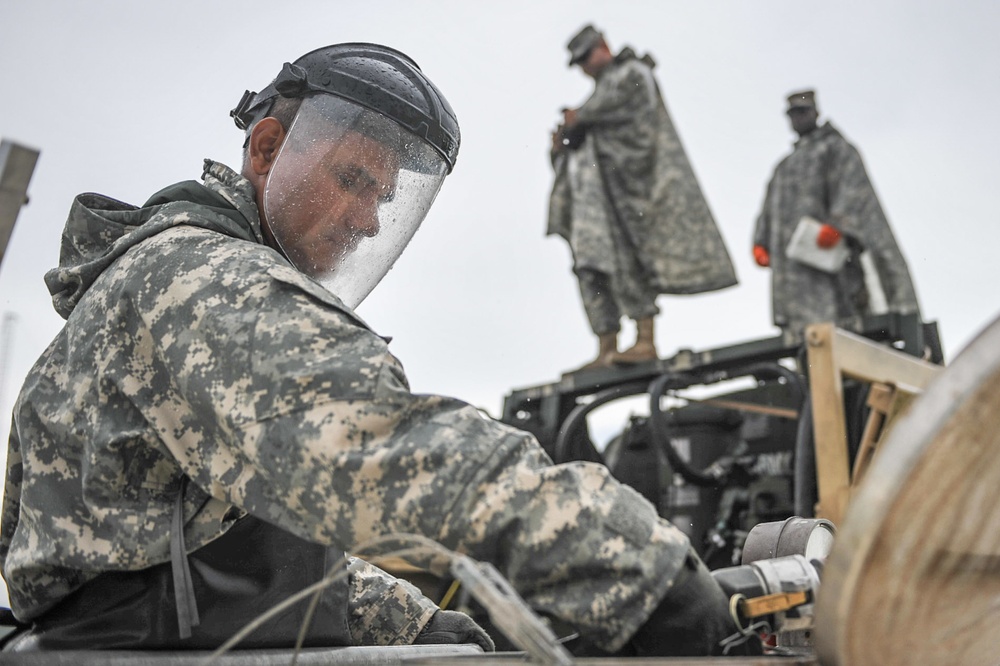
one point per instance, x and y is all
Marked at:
(100, 230)
(628, 53)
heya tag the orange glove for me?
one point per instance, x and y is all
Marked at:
(827, 237)
(761, 256)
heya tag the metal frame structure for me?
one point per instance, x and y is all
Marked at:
(17, 163)
(543, 409)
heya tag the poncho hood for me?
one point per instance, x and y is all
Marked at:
(100, 230)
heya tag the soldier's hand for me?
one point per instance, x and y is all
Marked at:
(692, 620)
(451, 628)
(761, 256)
(557, 140)
(569, 117)
(828, 236)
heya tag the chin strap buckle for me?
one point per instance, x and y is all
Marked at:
(239, 114)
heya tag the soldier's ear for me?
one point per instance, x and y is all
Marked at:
(265, 139)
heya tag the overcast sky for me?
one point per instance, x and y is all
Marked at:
(123, 98)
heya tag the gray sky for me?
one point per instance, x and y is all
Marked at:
(123, 98)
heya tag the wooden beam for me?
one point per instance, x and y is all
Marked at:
(833, 354)
(826, 390)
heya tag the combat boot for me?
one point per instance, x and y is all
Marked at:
(607, 348)
(644, 348)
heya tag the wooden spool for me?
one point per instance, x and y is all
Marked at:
(914, 574)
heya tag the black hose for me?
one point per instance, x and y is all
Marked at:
(712, 475)
(805, 483)
(570, 426)
(661, 434)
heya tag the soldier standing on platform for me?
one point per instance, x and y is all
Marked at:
(627, 200)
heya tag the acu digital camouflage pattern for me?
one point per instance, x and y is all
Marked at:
(384, 610)
(612, 283)
(628, 195)
(825, 178)
(192, 349)
(604, 305)
(88, 485)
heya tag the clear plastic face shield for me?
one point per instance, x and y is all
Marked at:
(346, 192)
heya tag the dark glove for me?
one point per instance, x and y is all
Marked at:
(691, 620)
(452, 627)
(569, 138)
(828, 236)
(761, 256)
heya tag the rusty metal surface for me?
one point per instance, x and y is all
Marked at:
(16, 166)
(656, 661)
(346, 656)
(453, 655)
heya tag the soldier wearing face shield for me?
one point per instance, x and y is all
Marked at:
(214, 394)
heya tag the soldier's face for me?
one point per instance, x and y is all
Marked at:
(330, 200)
(803, 119)
(596, 60)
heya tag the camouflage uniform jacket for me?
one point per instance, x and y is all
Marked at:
(825, 178)
(647, 184)
(191, 348)
(91, 465)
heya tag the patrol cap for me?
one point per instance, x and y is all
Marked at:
(802, 99)
(582, 43)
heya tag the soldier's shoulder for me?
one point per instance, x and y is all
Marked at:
(830, 135)
(628, 61)
(785, 159)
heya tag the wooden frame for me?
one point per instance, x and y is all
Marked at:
(833, 354)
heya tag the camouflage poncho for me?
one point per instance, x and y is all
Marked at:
(642, 203)
(824, 178)
(191, 348)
